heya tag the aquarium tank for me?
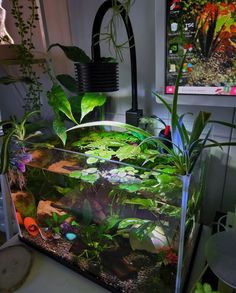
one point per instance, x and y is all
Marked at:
(111, 209)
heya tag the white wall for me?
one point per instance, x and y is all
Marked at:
(70, 22)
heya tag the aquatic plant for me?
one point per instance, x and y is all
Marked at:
(17, 131)
(55, 221)
(96, 239)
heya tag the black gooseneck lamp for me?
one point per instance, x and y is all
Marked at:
(102, 76)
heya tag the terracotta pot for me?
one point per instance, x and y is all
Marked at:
(8, 52)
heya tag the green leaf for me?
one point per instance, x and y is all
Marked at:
(8, 122)
(63, 190)
(87, 212)
(74, 53)
(58, 100)
(143, 230)
(199, 125)
(5, 152)
(112, 221)
(27, 116)
(55, 217)
(174, 116)
(144, 202)
(207, 288)
(90, 101)
(68, 82)
(220, 144)
(223, 123)
(112, 124)
(90, 178)
(75, 174)
(75, 103)
(60, 130)
(130, 222)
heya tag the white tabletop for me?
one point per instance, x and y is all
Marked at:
(48, 276)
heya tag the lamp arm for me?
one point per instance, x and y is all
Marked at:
(96, 44)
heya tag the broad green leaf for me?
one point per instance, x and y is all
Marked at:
(58, 100)
(90, 101)
(60, 130)
(75, 103)
(144, 230)
(130, 187)
(144, 202)
(75, 174)
(112, 221)
(112, 124)
(90, 178)
(130, 222)
(74, 53)
(87, 212)
(68, 82)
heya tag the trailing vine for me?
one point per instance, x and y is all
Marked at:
(25, 26)
(111, 35)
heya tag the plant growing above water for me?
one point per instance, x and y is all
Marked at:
(17, 131)
(187, 144)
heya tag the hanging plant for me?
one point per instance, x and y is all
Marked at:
(111, 31)
(25, 26)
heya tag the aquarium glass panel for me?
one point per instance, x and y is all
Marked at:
(112, 221)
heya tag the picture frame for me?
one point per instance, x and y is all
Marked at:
(206, 32)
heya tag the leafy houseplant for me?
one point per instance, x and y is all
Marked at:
(80, 104)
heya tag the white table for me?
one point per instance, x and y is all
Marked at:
(48, 276)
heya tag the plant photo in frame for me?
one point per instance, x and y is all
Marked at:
(205, 32)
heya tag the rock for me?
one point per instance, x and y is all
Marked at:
(40, 158)
(70, 236)
(24, 203)
(65, 228)
(150, 242)
(98, 214)
(45, 211)
(64, 167)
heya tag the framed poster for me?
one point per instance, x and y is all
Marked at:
(206, 30)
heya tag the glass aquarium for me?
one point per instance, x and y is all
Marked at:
(109, 209)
